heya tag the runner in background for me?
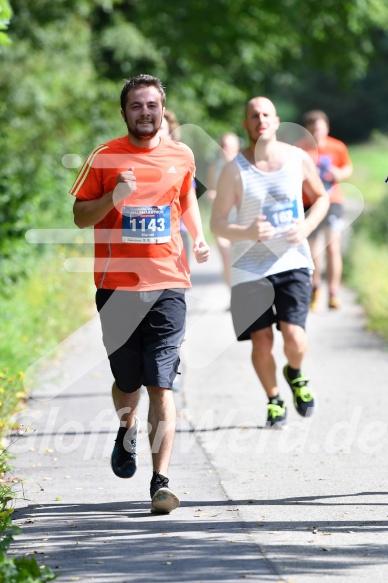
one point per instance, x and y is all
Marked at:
(230, 145)
(334, 165)
(271, 260)
(170, 129)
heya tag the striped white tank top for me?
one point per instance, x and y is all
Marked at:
(278, 195)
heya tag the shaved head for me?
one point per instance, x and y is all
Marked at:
(261, 121)
(263, 102)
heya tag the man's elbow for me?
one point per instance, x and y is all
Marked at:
(79, 221)
(78, 215)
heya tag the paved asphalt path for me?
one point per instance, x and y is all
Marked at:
(300, 505)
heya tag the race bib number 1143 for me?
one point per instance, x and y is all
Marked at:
(146, 224)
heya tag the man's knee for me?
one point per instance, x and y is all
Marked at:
(293, 334)
(159, 394)
(262, 340)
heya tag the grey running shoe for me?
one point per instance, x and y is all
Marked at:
(163, 500)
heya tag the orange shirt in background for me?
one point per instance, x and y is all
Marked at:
(138, 245)
(333, 153)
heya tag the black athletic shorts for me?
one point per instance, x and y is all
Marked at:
(142, 334)
(281, 297)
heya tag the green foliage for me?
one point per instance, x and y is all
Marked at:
(49, 107)
(375, 222)
(356, 106)
(367, 272)
(44, 311)
(15, 569)
(11, 395)
(5, 17)
(6, 496)
(19, 569)
(257, 37)
(23, 570)
(370, 168)
(214, 56)
(370, 173)
(366, 261)
(379, 221)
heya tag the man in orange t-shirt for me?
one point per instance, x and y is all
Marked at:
(134, 191)
(334, 165)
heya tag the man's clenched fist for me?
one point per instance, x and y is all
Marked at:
(125, 185)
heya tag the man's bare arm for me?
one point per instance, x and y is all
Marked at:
(341, 173)
(192, 220)
(88, 213)
(313, 187)
(229, 194)
(315, 190)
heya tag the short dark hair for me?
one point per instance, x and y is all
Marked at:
(141, 81)
(314, 115)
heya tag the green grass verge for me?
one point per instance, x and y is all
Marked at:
(366, 264)
(366, 271)
(42, 310)
(370, 168)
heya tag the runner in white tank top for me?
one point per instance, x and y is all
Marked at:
(271, 263)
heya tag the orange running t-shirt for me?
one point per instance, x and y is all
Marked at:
(138, 245)
(333, 153)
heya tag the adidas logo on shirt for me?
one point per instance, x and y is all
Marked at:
(171, 170)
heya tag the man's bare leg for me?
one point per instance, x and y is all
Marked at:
(265, 367)
(316, 253)
(295, 346)
(263, 360)
(295, 343)
(162, 420)
(334, 262)
(126, 405)
(124, 459)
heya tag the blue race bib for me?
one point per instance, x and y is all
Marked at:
(146, 224)
(281, 214)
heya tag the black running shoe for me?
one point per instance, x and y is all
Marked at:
(163, 500)
(303, 396)
(124, 458)
(277, 414)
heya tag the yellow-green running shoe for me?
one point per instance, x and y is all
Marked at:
(303, 396)
(277, 414)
